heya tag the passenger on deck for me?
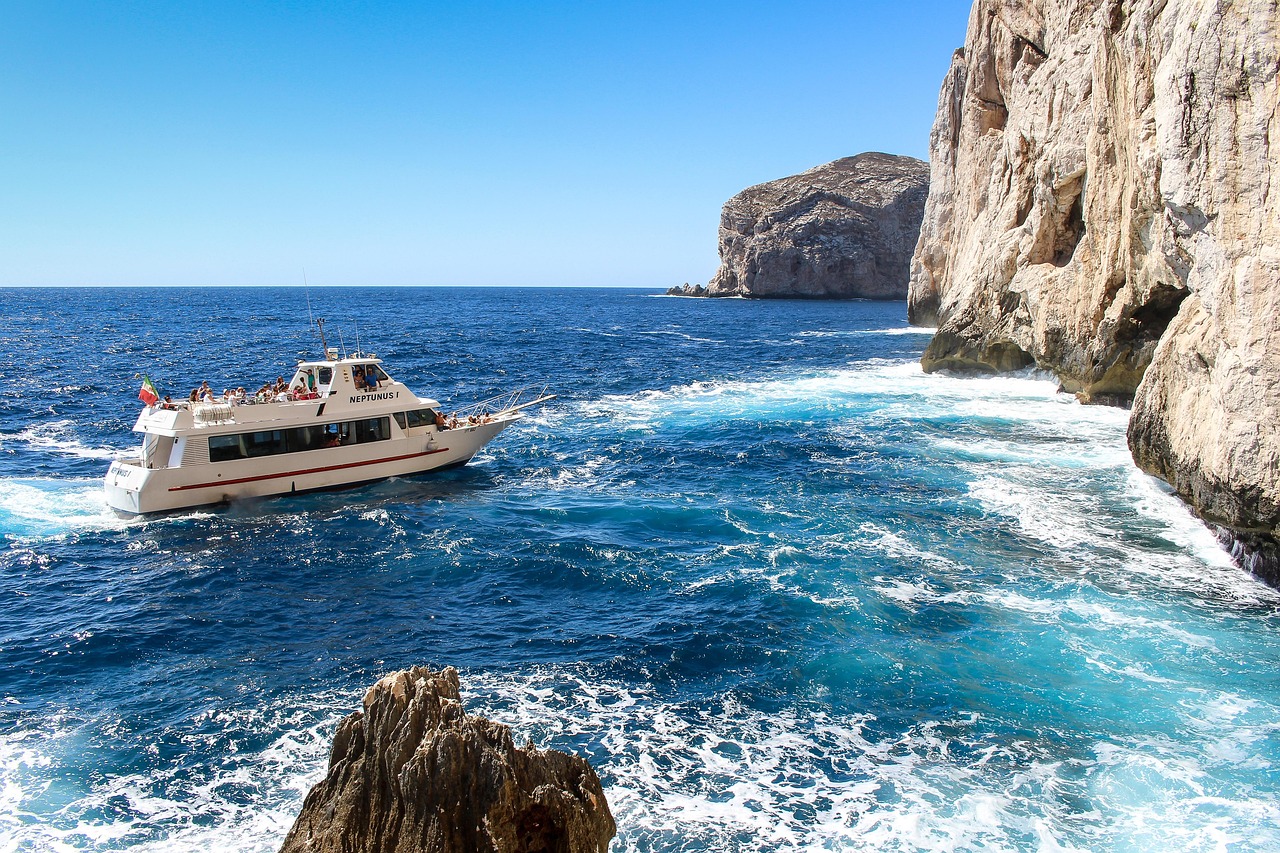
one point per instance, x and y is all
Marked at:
(357, 376)
(194, 396)
(371, 378)
(441, 423)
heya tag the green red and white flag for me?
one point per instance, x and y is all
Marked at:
(148, 394)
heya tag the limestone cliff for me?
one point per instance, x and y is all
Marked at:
(1102, 204)
(412, 772)
(840, 231)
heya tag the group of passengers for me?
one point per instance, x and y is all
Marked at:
(365, 378)
(269, 392)
(280, 391)
(453, 421)
(204, 394)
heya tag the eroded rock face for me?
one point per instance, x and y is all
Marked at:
(412, 773)
(1102, 204)
(840, 231)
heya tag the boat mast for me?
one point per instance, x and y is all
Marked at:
(318, 321)
(324, 347)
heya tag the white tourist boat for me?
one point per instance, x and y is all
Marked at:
(327, 429)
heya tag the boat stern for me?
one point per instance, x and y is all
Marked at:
(124, 485)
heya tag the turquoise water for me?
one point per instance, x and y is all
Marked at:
(783, 589)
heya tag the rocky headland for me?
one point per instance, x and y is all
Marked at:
(411, 772)
(840, 231)
(1102, 205)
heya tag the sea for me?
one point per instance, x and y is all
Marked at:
(781, 588)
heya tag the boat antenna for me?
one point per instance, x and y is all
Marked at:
(342, 343)
(359, 352)
(306, 289)
(324, 347)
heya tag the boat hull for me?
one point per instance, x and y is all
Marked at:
(134, 489)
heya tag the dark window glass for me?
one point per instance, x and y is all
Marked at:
(223, 448)
(400, 419)
(251, 445)
(422, 417)
(373, 429)
(326, 375)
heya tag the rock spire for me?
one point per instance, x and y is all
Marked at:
(411, 773)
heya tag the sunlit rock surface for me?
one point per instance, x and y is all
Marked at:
(1102, 204)
(845, 230)
(412, 773)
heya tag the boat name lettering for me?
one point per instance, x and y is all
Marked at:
(364, 398)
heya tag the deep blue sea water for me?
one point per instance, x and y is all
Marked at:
(784, 590)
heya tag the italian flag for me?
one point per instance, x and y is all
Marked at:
(148, 394)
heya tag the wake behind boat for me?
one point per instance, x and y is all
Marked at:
(337, 422)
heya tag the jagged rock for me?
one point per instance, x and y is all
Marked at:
(1102, 204)
(687, 290)
(840, 231)
(412, 772)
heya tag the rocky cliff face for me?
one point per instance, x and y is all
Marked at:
(412, 773)
(1102, 204)
(840, 231)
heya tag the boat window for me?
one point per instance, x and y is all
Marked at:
(400, 419)
(326, 375)
(421, 417)
(373, 429)
(223, 448)
(252, 445)
(378, 372)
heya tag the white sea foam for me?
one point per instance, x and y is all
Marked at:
(243, 801)
(721, 776)
(891, 331)
(41, 507)
(61, 437)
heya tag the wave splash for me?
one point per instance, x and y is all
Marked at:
(717, 774)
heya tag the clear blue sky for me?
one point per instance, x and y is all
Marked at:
(520, 143)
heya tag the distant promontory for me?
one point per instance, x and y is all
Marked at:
(845, 230)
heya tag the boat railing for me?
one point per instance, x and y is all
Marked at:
(508, 403)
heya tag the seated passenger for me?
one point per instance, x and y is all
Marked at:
(441, 423)
(371, 378)
(357, 376)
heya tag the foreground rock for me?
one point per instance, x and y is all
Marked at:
(841, 231)
(1103, 204)
(412, 772)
